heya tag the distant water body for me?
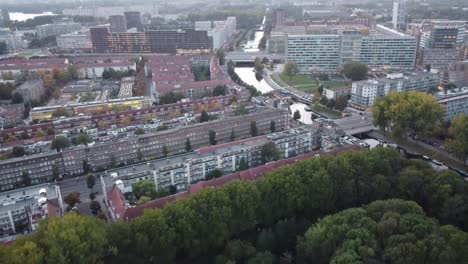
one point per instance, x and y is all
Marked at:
(22, 16)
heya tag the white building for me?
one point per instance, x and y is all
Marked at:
(79, 40)
(455, 102)
(95, 70)
(220, 31)
(106, 12)
(13, 42)
(57, 29)
(364, 93)
(22, 209)
(399, 15)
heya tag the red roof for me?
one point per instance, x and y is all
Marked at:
(174, 77)
(194, 85)
(116, 201)
(105, 64)
(32, 67)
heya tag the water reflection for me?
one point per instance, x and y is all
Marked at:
(23, 16)
(248, 76)
(252, 45)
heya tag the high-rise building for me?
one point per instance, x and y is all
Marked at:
(279, 17)
(219, 31)
(118, 23)
(399, 15)
(5, 18)
(133, 20)
(328, 49)
(314, 52)
(156, 41)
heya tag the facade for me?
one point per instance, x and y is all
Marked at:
(117, 23)
(106, 12)
(314, 52)
(334, 93)
(12, 41)
(399, 14)
(325, 49)
(57, 29)
(133, 20)
(364, 93)
(22, 209)
(31, 90)
(43, 167)
(151, 41)
(11, 115)
(219, 31)
(79, 40)
(385, 48)
(184, 170)
(192, 90)
(455, 102)
(458, 73)
(5, 18)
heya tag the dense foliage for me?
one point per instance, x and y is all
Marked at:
(408, 114)
(458, 141)
(355, 71)
(205, 226)
(391, 231)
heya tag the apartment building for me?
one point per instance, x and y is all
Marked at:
(399, 16)
(57, 29)
(364, 93)
(13, 41)
(107, 11)
(45, 167)
(20, 66)
(79, 40)
(455, 102)
(219, 31)
(21, 210)
(327, 49)
(184, 170)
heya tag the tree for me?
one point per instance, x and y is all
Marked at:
(240, 110)
(18, 151)
(320, 89)
(272, 127)
(82, 139)
(449, 86)
(458, 133)
(232, 136)
(212, 137)
(86, 167)
(90, 181)
(3, 48)
(92, 196)
(290, 69)
(139, 154)
(60, 143)
(139, 131)
(341, 102)
(188, 145)
(17, 98)
(356, 71)
(408, 113)
(259, 66)
(170, 98)
(25, 179)
(216, 173)
(164, 151)
(270, 153)
(73, 72)
(95, 207)
(253, 128)
(204, 117)
(219, 90)
(55, 172)
(297, 115)
(243, 165)
(221, 56)
(72, 199)
(61, 111)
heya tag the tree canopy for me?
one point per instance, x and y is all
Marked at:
(408, 114)
(458, 141)
(356, 71)
(290, 69)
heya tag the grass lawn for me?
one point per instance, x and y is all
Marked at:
(322, 109)
(307, 84)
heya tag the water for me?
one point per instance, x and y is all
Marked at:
(306, 117)
(22, 16)
(252, 45)
(248, 76)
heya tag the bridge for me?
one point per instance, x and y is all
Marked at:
(356, 124)
(240, 56)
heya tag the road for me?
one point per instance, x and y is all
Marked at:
(356, 124)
